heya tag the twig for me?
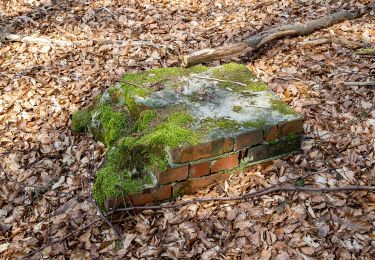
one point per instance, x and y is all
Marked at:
(367, 83)
(367, 52)
(118, 234)
(273, 189)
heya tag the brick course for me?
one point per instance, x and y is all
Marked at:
(199, 169)
(225, 163)
(173, 174)
(290, 127)
(249, 139)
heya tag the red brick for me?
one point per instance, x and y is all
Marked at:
(173, 174)
(200, 169)
(195, 184)
(225, 163)
(162, 193)
(146, 197)
(192, 153)
(290, 127)
(249, 139)
(270, 133)
(222, 145)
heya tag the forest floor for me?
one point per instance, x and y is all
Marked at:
(46, 172)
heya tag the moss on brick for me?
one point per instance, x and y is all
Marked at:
(138, 129)
(234, 72)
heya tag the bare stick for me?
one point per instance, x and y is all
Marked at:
(273, 189)
(81, 43)
(258, 40)
(370, 52)
(367, 83)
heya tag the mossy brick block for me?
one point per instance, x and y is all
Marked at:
(160, 119)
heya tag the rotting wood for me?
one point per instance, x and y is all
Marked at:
(258, 40)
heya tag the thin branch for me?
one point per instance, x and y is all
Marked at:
(367, 83)
(273, 189)
(80, 43)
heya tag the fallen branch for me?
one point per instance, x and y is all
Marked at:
(367, 83)
(369, 52)
(278, 188)
(343, 42)
(80, 43)
(258, 40)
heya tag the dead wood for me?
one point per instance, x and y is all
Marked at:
(369, 52)
(359, 84)
(258, 40)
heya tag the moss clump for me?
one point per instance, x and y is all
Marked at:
(113, 124)
(159, 75)
(234, 72)
(143, 152)
(281, 107)
(114, 177)
(81, 121)
(144, 120)
(256, 124)
(237, 109)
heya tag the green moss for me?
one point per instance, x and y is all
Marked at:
(81, 121)
(257, 124)
(234, 72)
(143, 153)
(113, 124)
(237, 109)
(147, 78)
(281, 107)
(291, 136)
(144, 120)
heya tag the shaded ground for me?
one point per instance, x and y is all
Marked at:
(46, 172)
